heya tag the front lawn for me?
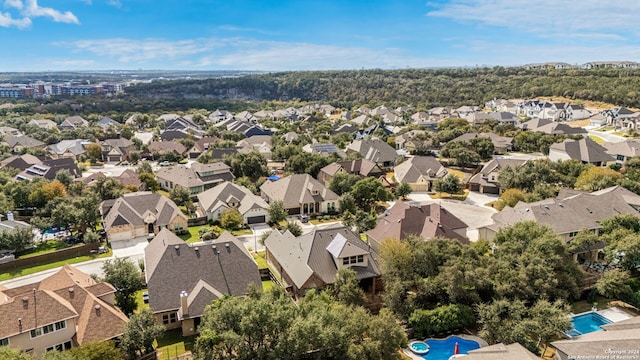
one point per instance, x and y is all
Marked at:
(192, 234)
(27, 270)
(43, 247)
(267, 285)
(173, 344)
(241, 232)
(442, 195)
(597, 139)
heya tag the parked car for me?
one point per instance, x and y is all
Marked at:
(303, 218)
(72, 240)
(145, 297)
(165, 163)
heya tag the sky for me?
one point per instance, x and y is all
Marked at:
(58, 35)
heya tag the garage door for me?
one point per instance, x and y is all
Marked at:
(256, 219)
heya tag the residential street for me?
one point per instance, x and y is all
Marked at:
(608, 136)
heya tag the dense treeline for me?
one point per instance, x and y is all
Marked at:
(422, 88)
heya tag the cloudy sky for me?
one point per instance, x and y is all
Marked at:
(40, 35)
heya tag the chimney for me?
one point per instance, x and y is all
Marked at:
(71, 292)
(184, 307)
(10, 215)
(97, 307)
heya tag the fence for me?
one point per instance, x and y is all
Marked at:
(58, 255)
(197, 221)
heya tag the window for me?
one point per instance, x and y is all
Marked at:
(345, 261)
(169, 318)
(573, 234)
(48, 329)
(354, 259)
(360, 258)
(4, 342)
(60, 347)
(620, 157)
(60, 325)
(36, 332)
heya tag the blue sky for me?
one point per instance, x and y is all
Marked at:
(41, 35)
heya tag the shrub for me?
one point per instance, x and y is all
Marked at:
(441, 319)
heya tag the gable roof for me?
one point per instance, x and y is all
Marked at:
(585, 150)
(497, 140)
(174, 266)
(25, 141)
(167, 146)
(417, 167)
(361, 167)
(374, 150)
(628, 148)
(501, 351)
(297, 189)
(133, 208)
(427, 221)
(219, 195)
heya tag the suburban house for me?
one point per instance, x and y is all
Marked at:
(165, 147)
(312, 260)
(301, 194)
(577, 112)
(73, 122)
(440, 113)
(420, 172)
(501, 144)
(108, 125)
(20, 144)
(9, 131)
(486, 180)
(551, 127)
(44, 124)
(258, 143)
(183, 124)
(501, 351)
(68, 149)
(227, 195)
(20, 161)
(477, 117)
(569, 213)
(584, 150)
(413, 140)
(325, 149)
(362, 167)
(48, 169)
(197, 178)
(374, 150)
(139, 215)
(65, 310)
(201, 146)
(184, 279)
(624, 150)
(426, 221)
(616, 340)
(116, 150)
(128, 178)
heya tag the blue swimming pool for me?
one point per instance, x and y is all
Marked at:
(587, 323)
(442, 349)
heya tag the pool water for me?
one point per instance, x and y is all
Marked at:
(443, 349)
(587, 323)
(418, 346)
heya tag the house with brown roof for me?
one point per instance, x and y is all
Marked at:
(44, 124)
(551, 127)
(420, 172)
(312, 260)
(584, 150)
(183, 278)
(374, 150)
(486, 180)
(301, 194)
(427, 221)
(138, 215)
(227, 195)
(197, 178)
(202, 145)
(65, 310)
(47, 168)
(362, 167)
(163, 147)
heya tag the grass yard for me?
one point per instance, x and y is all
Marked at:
(21, 271)
(192, 234)
(267, 285)
(322, 221)
(242, 232)
(260, 258)
(44, 247)
(173, 344)
(460, 196)
(457, 173)
(583, 305)
(597, 139)
(139, 301)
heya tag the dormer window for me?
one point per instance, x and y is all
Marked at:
(359, 259)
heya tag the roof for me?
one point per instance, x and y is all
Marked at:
(427, 221)
(24, 141)
(501, 351)
(69, 293)
(628, 148)
(361, 167)
(497, 140)
(374, 150)
(173, 266)
(419, 167)
(311, 254)
(218, 197)
(20, 161)
(585, 150)
(131, 209)
(196, 175)
(297, 189)
(167, 146)
(76, 147)
(494, 165)
(596, 343)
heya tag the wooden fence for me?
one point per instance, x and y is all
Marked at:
(57, 255)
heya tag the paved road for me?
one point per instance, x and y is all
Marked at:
(608, 136)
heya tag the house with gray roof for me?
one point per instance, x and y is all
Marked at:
(501, 144)
(301, 194)
(68, 149)
(584, 150)
(107, 124)
(427, 221)
(22, 143)
(618, 340)
(138, 215)
(374, 150)
(486, 180)
(569, 213)
(325, 149)
(73, 122)
(623, 150)
(312, 260)
(551, 127)
(44, 124)
(227, 195)
(196, 178)
(420, 172)
(361, 167)
(116, 150)
(183, 278)
(201, 146)
(47, 168)
(501, 351)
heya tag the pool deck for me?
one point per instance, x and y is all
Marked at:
(413, 356)
(614, 314)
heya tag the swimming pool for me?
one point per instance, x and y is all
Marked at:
(587, 323)
(442, 349)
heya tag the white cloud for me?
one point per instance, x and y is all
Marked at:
(17, 4)
(604, 19)
(32, 9)
(114, 3)
(6, 20)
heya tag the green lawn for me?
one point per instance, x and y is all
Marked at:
(242, 232)
(139, 301)
(43, 248)
(192, 235)
(267, 285)
(459, 196)
(21, 271)
(597, 139)
(583, 305)
(163, 193)
(173, 344)
(322, 221)
(260, 258)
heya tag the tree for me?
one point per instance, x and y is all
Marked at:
(597, 178)
(126, 278)
(94, 151)
(7, 353)
(614, 284)
(587, 241)
(442, 319)
(180, 195)
(231, 219)
(149, 181)
(140, 333)
(276, 212)
(342, 182)
(510, 197)
(403, 190)
(65, 177)
(144, 167)
(268, 325)
(483, 146)
(252, 165)
(449, 184)
(367, 191)
(54, 189)
(294, 228)
(307, 163)
(100, 350)
(346, 288)
(108, 188)
(17, 240)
